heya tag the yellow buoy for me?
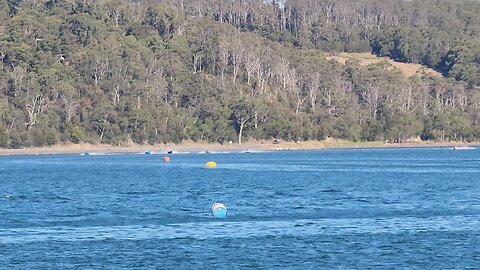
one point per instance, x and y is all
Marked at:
(211, 164)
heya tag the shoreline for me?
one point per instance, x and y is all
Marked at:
(198, 147)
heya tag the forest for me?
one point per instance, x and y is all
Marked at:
(165, 71)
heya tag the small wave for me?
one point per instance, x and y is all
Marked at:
(99, 154)
(137, 193)
(15, 197)
(300, 224)
(180, 152)
(213, 152)
(54, 197)
(37, 198)
(254, 151)
(142, 153)
(364, 200)
(330, 190)
(246, 229)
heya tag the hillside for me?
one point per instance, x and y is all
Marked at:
(117, 72)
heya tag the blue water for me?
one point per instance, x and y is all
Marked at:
(330, 209)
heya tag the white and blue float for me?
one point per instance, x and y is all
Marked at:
(219, 210)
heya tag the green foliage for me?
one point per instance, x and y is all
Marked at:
(401, 127)
(50, 137)
(373, 130)
(4, 10)
(3, 138)
(156, 72)
(77, 135)
(165, 20)
(19, 140)
(44, 137)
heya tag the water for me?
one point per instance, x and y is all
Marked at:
(330, 209)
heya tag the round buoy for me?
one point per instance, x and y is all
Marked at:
(166, 159)
(211, 164)
(147, 152)
(219, 210)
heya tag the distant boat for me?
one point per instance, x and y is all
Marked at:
(170, 151)
(463, 148)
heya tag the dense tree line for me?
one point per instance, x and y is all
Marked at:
(442, 34)
(114, 71)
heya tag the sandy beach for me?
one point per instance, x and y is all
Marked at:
(195, 147)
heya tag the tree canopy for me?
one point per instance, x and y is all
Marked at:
(115, 71)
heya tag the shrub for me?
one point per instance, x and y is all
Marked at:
(77, 135)
(3, 138)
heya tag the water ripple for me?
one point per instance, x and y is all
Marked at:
(246, 229)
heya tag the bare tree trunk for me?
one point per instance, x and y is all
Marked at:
(240, 132)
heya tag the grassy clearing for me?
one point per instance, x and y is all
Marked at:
(366, 59)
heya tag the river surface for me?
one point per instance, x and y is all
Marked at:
(328, 209)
